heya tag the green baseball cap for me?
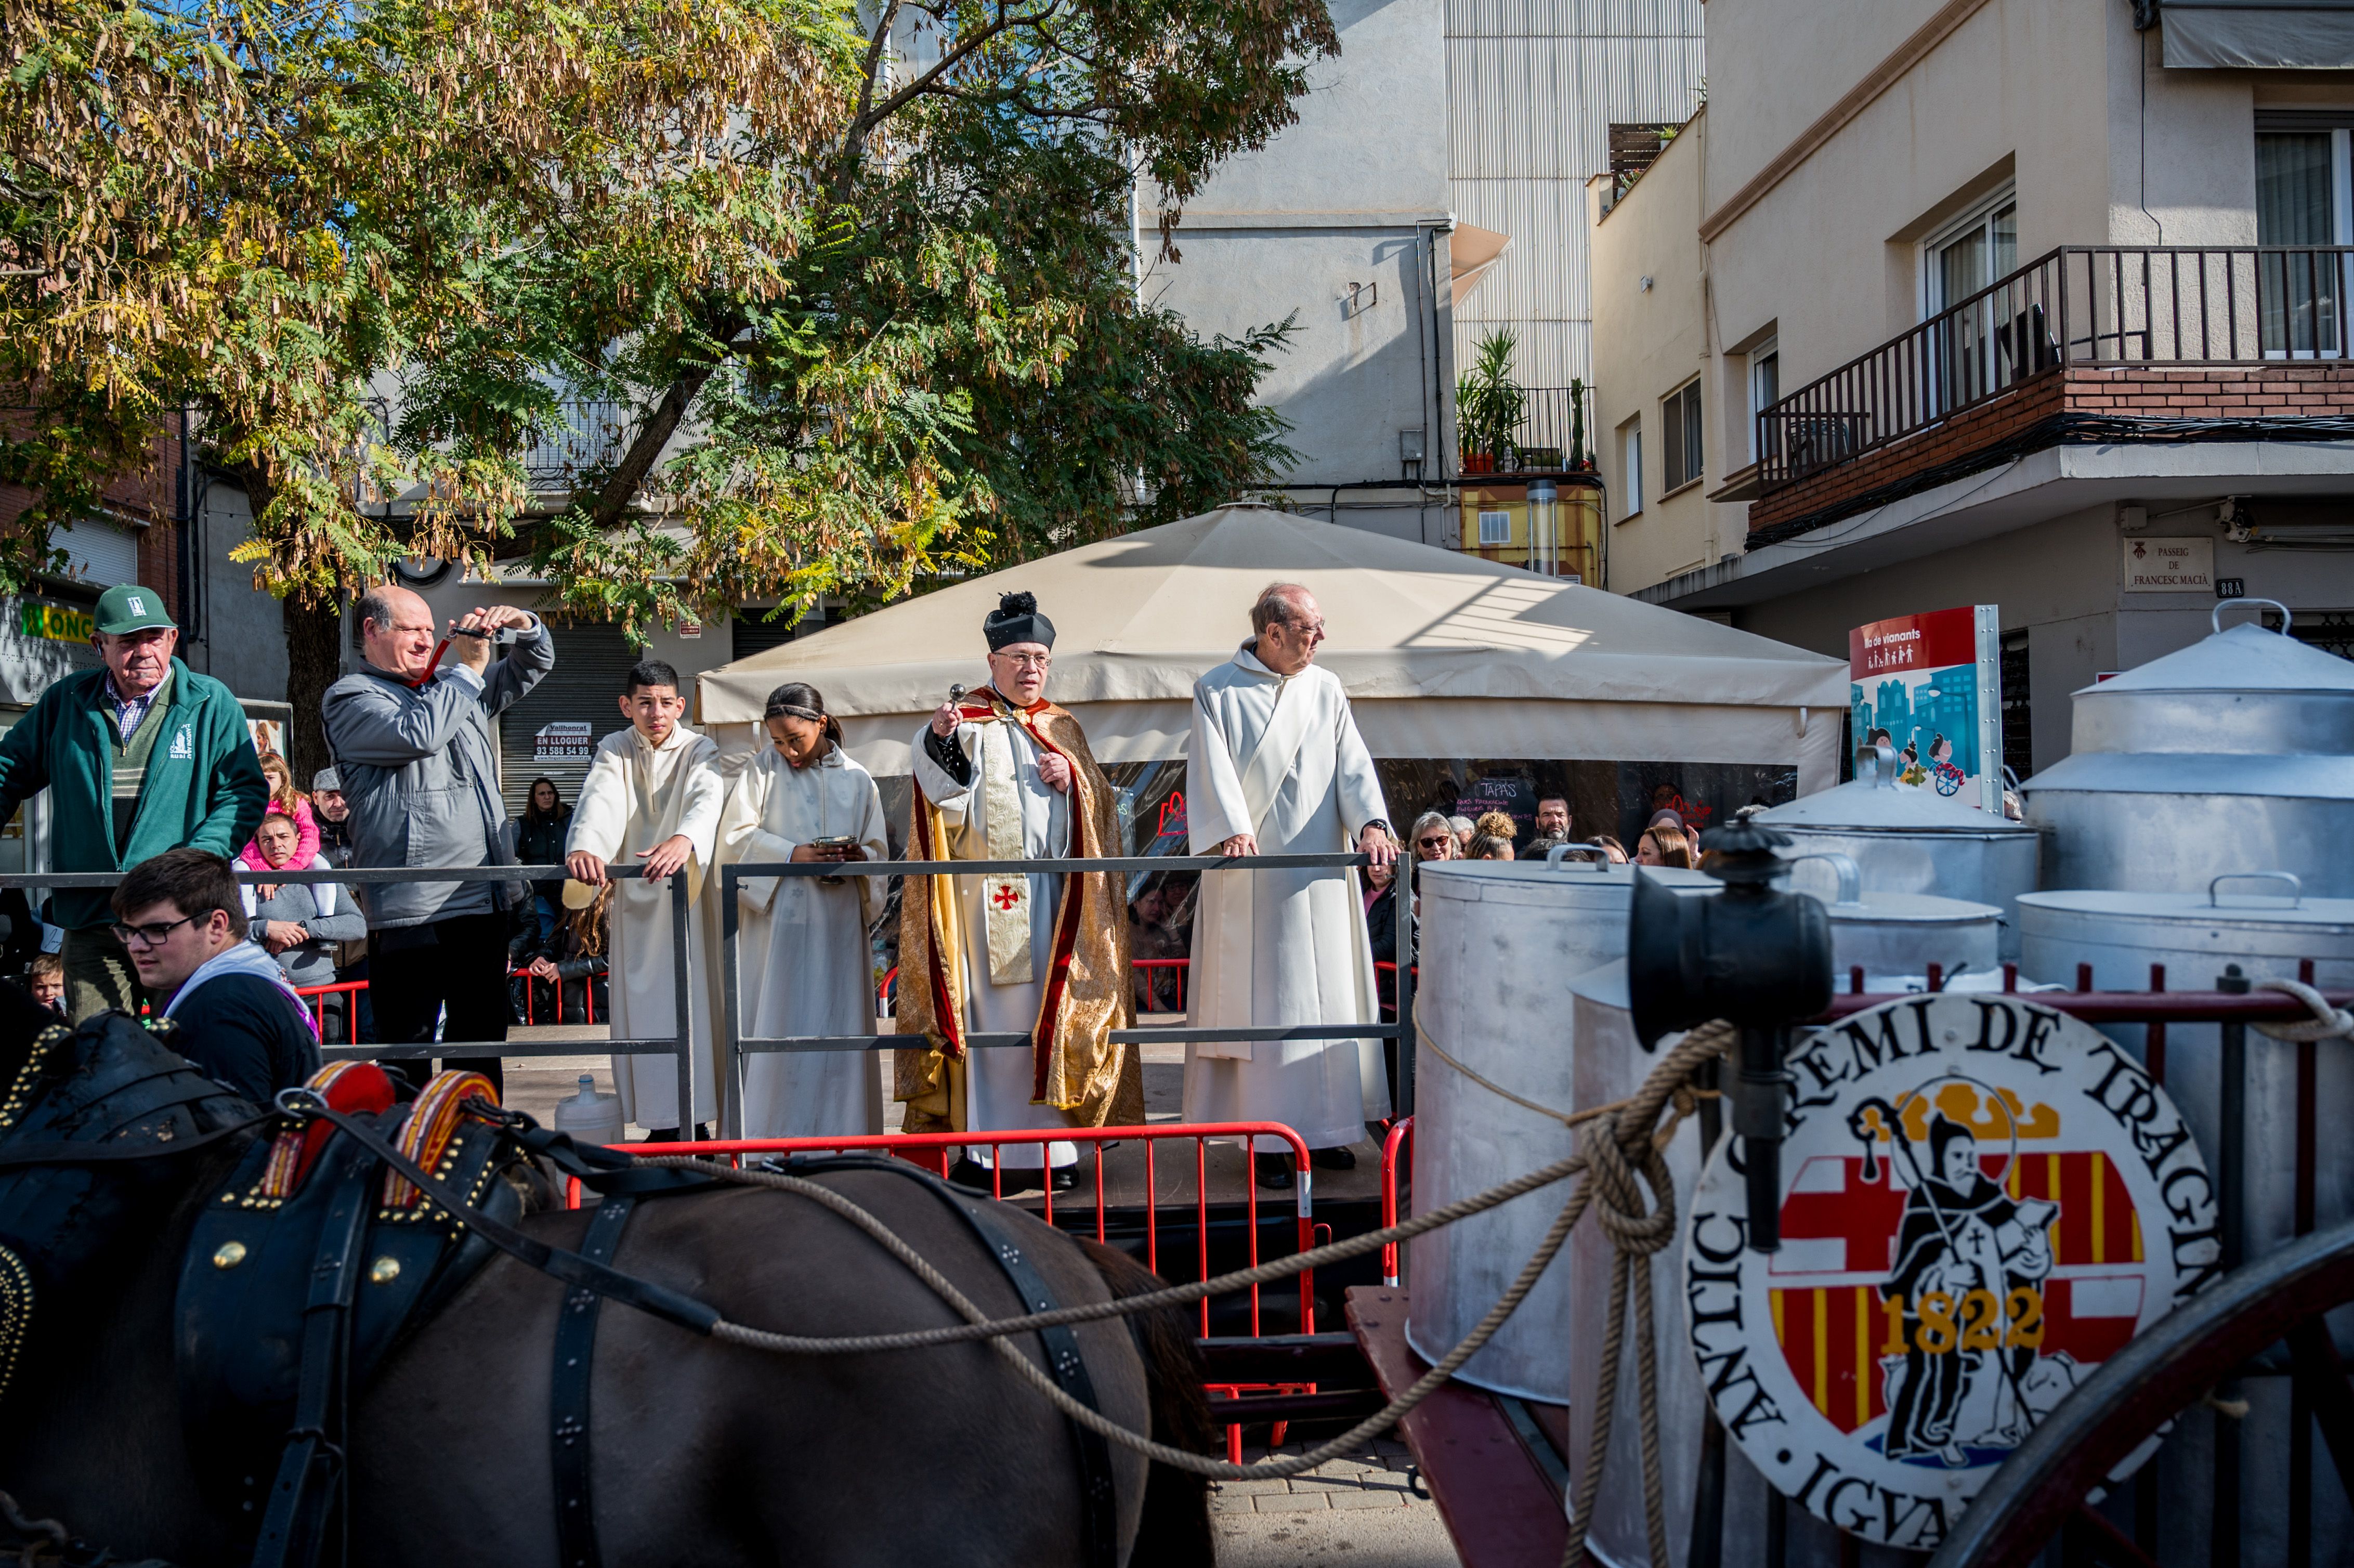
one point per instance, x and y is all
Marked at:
(130, 608)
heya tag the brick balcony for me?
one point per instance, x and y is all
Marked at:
(2082, 346)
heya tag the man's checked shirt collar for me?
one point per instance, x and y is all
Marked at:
(129, 712)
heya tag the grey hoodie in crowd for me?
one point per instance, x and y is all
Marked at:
(299, 903)
(421, 779)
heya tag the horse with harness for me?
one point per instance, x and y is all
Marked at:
(350, 1329)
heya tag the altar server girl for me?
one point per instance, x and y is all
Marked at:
(807, 967)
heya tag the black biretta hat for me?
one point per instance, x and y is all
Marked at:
(1016, 620)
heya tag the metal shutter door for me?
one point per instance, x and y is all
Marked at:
(592, 660)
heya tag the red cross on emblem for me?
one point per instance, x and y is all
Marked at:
(1006, 897)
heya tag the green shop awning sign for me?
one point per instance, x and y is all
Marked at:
(58, 622)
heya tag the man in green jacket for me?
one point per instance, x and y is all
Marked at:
(140, 756)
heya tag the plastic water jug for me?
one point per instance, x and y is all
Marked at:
(590, 1116)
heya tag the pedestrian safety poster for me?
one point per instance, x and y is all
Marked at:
(1930, 686)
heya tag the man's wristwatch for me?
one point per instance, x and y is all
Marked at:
(1387, 832)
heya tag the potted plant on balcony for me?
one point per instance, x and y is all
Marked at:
(1579, 462)
(1490, 405)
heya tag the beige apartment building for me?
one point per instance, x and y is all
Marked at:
(1950, 302)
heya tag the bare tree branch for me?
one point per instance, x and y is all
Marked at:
(621, 486)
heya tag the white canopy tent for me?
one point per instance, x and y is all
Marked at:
(1444, 655)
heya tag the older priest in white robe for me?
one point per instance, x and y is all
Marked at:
(1276, 766)
(805, 966)
(653, 799)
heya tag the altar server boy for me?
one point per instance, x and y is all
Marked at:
(653, 799)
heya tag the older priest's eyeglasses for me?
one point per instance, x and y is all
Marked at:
(1028, 661)
(149, 936)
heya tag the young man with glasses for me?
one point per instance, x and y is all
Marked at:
(182, 920)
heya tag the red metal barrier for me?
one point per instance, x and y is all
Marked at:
(1278, 1430)
(588, 997)
(935, 1145)
(1149, 965)
(317, 995)
(1401, 1139)
(914, 1146)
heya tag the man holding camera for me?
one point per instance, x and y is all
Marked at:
(411, 738)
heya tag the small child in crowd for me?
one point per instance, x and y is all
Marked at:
(46, 978)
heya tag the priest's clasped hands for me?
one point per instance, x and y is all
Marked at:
(664, 861)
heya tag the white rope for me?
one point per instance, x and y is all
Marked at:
(2328, 1022)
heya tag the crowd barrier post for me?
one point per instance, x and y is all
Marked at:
(1398, 1150)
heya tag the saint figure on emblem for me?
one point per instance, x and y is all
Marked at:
(1966, 1292)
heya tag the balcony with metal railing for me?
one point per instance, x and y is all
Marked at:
(2086, 342)
(1552, 437)
(593, 435)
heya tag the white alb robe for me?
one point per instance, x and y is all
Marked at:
(998, 1079)
(804, 965)
(636, 795)
(1279, 757)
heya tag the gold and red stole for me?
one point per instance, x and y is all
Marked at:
(1086, 992)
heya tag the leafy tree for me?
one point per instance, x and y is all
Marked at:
(863, 284)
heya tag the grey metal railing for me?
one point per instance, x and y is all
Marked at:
(678, 1046)
(2075, 305)
(739, 1045)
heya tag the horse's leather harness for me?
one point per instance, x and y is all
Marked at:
(1098, 1502)
(304, 1274)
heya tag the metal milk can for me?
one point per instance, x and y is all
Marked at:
(2235, 753)
(1906, 840)
(1501, 943)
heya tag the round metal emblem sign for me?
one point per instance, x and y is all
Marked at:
(1982, 1201)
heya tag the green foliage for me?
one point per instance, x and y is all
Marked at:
(869, 321)
(1488, 404)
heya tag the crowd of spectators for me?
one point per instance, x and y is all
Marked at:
(151, 771)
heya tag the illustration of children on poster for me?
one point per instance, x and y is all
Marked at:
(1928, 687)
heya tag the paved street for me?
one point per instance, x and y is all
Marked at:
(1367, 1513)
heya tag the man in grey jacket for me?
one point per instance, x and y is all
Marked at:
(412, 744)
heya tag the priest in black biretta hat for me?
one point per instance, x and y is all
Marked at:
(1016, 620)
(1001, 773)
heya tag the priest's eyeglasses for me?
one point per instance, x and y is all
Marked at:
(1028, 661)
